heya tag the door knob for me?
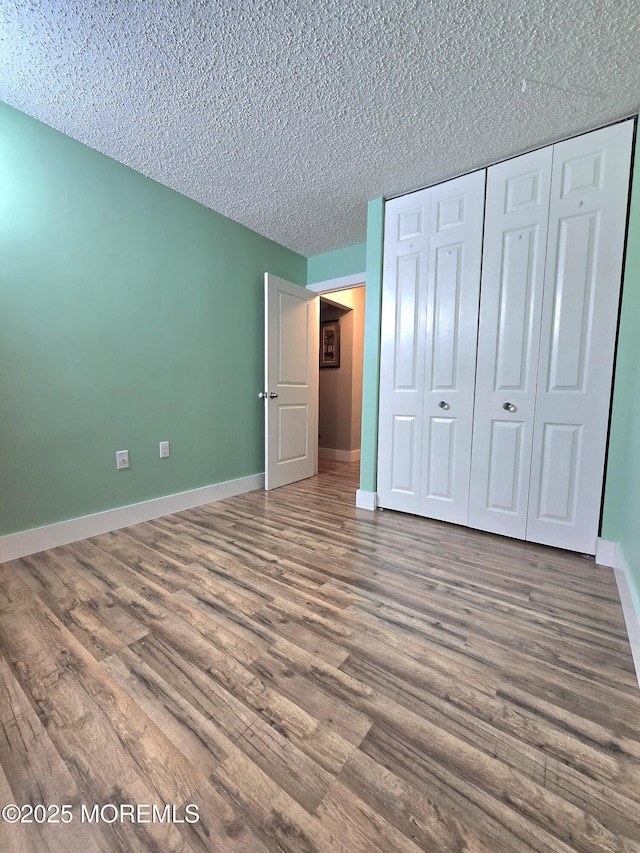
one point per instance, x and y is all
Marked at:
(444, 405)
(509, 407)
(272, 395)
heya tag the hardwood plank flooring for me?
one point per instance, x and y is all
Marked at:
(315, 677)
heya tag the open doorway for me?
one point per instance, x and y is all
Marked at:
(340, 381)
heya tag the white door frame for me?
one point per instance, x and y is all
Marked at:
(344, 282)
(333, 285)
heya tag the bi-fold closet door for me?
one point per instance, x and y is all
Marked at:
(513, 277)
(432, 254)
(529, 421)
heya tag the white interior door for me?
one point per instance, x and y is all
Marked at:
(291, 382)
(404, 306)
(587, 221)
(513, 264)
(552, 265)
(453, 287)
(433, 243)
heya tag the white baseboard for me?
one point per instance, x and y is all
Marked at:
(611, 554)
(339, 455)
(606, 553)
(630, 607)
(27, 542)
(366, 500)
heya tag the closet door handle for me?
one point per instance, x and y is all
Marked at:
(444, 405)
(509, 407)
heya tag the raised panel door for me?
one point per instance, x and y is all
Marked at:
(453, 283)
(587, 223)
(514, 250)
(291, 382)
(406, 259)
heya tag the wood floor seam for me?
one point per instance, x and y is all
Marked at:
(313, 677)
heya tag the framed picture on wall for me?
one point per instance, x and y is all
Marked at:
(330, 343)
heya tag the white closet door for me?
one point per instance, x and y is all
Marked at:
(404, 300)
(514, 249)
(587, 221)
(455, 252)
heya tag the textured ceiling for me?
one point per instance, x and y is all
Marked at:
(288, 115)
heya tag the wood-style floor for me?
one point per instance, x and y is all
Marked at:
(317, 678)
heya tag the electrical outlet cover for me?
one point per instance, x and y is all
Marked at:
(122, 459)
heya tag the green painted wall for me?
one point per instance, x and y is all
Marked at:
(129, 314)
(621, 519)
(630, 528)
(347, 261)
(371, 376)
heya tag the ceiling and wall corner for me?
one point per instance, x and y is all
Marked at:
(289, 116)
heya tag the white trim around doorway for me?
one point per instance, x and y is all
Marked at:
(344, 282)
